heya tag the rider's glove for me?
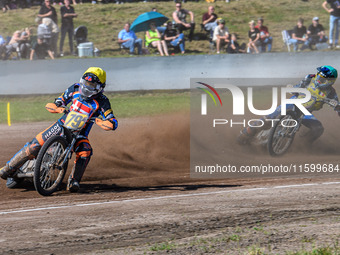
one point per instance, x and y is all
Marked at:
(105, 124)
(58, 102)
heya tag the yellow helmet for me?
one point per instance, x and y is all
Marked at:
(92, 82)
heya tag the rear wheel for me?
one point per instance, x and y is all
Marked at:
(281, 136)
(48, 172)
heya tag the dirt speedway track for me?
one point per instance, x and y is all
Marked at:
(137, 193)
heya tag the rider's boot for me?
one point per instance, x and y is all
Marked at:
(14, 164)
(77, 173)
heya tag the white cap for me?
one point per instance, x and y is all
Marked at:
(316, 18)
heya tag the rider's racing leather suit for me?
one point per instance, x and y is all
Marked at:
(98, 105)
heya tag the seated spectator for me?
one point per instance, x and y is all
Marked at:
(41, 50)
(179, 16)
(221, 35)
(18, 43)
(128, 39)
(254, 38)
(160, 29)
(153, 37)
(316, 33)
(299, 36)
(234, 47)
(209, 20)
(25, 43)
(4, 5)
(175, 38)
(265, 39)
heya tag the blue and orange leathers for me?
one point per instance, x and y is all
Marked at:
(98, 105)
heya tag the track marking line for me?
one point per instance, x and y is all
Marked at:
(165, 197)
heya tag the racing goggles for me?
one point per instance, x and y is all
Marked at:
(322, 81)
(88, 87)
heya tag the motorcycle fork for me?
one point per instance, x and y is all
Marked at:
(67, 154)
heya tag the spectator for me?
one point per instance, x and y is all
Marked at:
(67, 15)
(209, 20)
(265, 39)
(299, 36)
(153, 37)
(179, 16)
(40, 50)
(254, 37)
(54, 34)
(221, 35)
(48, 11)
(334, 21)
(160, 29)
(43, 31)
(128, 39)
(234, 47)
(175, 38)
(316, 33)
(3, 5)
(14, 44)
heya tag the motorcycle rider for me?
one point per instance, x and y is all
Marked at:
(85, 97)
(319, 85)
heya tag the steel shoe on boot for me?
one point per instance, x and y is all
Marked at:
(73, 186)
(6, 172)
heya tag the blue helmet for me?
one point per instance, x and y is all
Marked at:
(325, 77)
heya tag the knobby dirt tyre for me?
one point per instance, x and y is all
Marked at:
(47, 177)
(280, 138)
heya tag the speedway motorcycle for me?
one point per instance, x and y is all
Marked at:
(49, 168)
(278, 139)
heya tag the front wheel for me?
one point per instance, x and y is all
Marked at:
(281, 136)
(49, 172)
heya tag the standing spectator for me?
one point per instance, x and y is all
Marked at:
(234, 47)
(254, 37)
(172, 36)
(128, 39)
(48, 11)
(179, 16)
(316, 33)
(334, 21)
(299, 36)
(265, 38)
(67, 15)
(221, 35)
(40, 50)
(153, 37)
(209, 20)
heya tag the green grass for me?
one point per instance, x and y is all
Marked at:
(104, 21)
(32, 108)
